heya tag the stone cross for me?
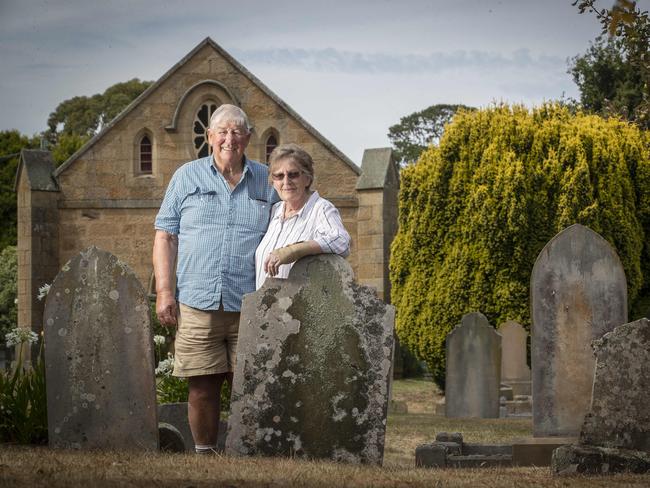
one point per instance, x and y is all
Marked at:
(473, 369)
(99, 357)
(578, 293)
(514, 367)
(313, 363)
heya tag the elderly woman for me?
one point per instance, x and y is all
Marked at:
(302, 223)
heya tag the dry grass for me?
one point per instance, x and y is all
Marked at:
(22, 466)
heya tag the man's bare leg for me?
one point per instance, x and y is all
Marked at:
(205, 407)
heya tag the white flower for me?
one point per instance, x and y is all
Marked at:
(165, 366)
(43, 291)
(158, 340)
(19, 335)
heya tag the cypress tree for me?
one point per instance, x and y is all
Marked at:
(476, 210)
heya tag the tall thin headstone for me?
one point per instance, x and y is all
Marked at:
(313, 366)
(578, 293)
(514, 367)
(473, 369)
(99, 357)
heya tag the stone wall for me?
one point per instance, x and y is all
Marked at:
(37, 247)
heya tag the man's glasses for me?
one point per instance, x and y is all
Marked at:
(292, 175)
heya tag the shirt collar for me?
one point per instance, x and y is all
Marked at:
(311, 201)
(210, 161)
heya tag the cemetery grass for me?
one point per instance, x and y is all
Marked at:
(38, 466)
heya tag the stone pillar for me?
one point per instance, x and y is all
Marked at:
(38, 235)
(377, 190)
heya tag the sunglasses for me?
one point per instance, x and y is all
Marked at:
(292, 175)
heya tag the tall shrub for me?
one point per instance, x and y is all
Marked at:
(475, 212)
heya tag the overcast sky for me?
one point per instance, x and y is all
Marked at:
(350, 68)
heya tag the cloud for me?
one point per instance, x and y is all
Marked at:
(335, 60)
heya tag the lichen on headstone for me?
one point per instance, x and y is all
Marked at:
(99, 357)
(313, 363)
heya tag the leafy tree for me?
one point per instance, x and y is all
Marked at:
(11, 142)
(8, 290)
(614, 75)
(417, 131)
(66, 146)
(85, 116)
(476, 210)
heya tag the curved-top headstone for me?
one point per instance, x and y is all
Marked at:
(99, 357)
(578, 293)
(473, 369)
(513, 352)
(313, 362)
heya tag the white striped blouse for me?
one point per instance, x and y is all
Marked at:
(318, 220)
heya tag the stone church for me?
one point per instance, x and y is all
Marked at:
(108, 193)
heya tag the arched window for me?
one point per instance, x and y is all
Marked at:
(201, 125)
(271, 144)
(145, 155)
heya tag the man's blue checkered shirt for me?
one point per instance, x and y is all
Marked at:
(218, 231)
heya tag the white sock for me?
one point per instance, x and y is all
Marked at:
(205, 449)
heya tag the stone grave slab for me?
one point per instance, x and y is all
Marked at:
(472, 382)
(313, 365)
(578, 293)
(620, 407)
(99, 357)
(514, 367)
(615, 435)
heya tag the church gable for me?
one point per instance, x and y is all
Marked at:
(135, 155)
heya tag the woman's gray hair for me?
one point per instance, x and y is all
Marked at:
(295, 153)
(229, 113)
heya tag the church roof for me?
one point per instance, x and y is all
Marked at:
(39, 167)
(153, 87)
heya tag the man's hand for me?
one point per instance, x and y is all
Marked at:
(166, 309)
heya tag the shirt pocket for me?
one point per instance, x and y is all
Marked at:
(201, 205)
(257, 214)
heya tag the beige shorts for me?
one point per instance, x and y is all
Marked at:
(206, 342)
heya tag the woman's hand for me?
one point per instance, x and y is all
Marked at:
(272, 264)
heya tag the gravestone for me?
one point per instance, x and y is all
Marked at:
(313, 367)
(473, 369)
(615, 435)
(99, 357)
(514, 368)
(578, 293)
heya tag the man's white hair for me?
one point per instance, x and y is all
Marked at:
(229, 113)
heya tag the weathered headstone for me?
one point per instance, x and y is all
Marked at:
(514, 368)
(313, 363)
(473, 369)
(620, 406)
(578, 293)
(615, 435)
(99, 357)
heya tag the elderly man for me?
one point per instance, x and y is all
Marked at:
(214, 214)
